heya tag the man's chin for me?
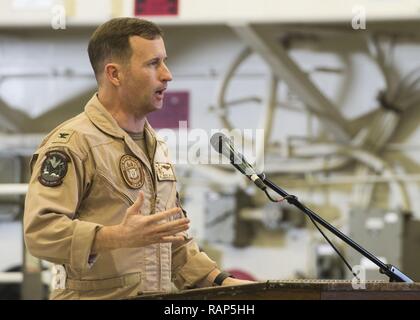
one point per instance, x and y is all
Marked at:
(157, 107)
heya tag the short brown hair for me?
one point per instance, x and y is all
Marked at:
(111, 40)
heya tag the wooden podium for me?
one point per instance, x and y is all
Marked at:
(299, 290)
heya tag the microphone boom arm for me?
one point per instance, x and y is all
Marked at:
(391, 271)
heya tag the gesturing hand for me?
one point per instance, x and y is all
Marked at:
(138, 230)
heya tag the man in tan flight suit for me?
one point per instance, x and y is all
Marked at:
(102, 204)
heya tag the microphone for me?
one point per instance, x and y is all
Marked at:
(222, 144)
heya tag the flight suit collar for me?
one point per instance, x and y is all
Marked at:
(105, 122)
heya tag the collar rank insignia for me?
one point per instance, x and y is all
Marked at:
(164, 172)
(131, 171)
(54, 168)
(63, 135)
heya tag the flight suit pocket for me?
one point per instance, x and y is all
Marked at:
(111, 288)
(111, 187)
(166, 185)
(103, 284)
(112, 193)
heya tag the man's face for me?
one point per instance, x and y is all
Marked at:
(146, 76)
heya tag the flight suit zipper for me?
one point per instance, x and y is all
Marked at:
(152, 165)
(123, 195)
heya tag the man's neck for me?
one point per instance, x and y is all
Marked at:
(126, 120)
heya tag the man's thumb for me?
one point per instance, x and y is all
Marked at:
(135, 208)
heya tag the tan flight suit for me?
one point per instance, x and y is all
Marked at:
(85, 175)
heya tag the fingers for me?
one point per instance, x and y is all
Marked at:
(165, 214)
(135, 208)
(172, 232)
(168, 226)
(172, 239)
(171, 228)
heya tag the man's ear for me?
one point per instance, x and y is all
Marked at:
(113, 73)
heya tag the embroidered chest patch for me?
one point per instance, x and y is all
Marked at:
(131, 171)
(164, 172)
(54, 168)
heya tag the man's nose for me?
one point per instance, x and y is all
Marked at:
(165, 74)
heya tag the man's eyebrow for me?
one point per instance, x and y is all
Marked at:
(157, 59)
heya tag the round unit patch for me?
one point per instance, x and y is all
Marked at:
(54, 168)
(131, 171)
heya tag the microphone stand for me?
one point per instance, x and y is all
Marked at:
(391, 271)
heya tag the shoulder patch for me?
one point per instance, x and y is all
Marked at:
(54, 168)
(62, 136)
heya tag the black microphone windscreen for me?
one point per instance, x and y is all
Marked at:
(218, 140)
(223, 145)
